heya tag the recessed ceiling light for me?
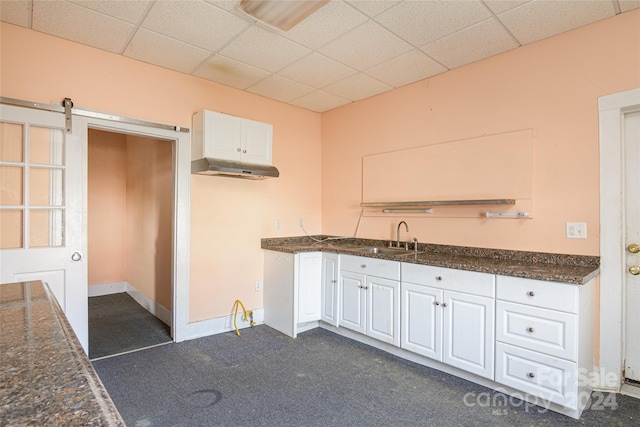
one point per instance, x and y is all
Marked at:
(281, 14)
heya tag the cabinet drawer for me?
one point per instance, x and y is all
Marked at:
(370, 266)
(539, 375)
(545, 331)
(470, 282)
(538, 293)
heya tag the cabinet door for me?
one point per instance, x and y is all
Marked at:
(256, 142)
(352, 301)
(222, 136)
(383, 309)
(330, 273)
(308, 286)
(421, 322)
(468, 322)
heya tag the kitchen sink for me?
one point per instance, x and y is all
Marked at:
(387, 251)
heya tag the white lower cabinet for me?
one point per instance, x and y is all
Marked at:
(533, 339)
(370, 297)
(292, 291)
(449, 326)
(544, 340)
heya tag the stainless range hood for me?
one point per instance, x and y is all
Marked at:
(211, 166)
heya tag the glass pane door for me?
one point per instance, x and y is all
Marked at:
(32, 173)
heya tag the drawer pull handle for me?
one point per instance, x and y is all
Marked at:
(439, 278)
(531, 293)
(531, 375)
(530, 329)
(363, 265)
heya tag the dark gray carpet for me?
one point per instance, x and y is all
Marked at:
(117, 324)
(264, 378)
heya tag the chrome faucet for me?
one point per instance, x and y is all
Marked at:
(398, 232)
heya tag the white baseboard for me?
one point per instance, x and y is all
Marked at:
(107, 289)
(119, 287)
(150, 305)
(220, 325)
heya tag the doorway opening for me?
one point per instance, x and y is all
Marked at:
(130, 220)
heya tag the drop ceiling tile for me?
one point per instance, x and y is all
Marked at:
(358, 86)
(16, 12)
(373, 7)
(499, 6)
(279, 88)
(627, 5)
(480, 41)
(421, 22)
(405, 69)
(82, 25)
(320, 101)
(264, 49)
(151, 47)
(328, 23)
(354, 49)
(228, 72)
(316, 70)
(537, 19)
(194, 22)
(131, 11)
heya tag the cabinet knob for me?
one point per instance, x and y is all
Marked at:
(244, 151)
(531, 293)
(530, 329)
(439, 278)
(238, 150)
(334, 281)
(531, 375)
(363, 265)
(444, 304)
(436, 303)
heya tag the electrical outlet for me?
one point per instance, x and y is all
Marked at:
(301, 222)
(258, 286)
(576, 230)
(277, 224)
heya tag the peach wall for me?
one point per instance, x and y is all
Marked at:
(149, 217)
(106, 205)
(551, 86)
(228, 217)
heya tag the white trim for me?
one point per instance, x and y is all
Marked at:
(150, 305)
(181, 211)
(220, 325)
(107, 289)
(611, 109)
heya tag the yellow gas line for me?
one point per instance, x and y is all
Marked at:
(246, 316)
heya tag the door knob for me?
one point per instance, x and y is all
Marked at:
(634, 248)
(634, 269)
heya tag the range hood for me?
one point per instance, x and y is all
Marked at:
(211, 166)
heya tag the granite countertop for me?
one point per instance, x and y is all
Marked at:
(46, 379)
(573, 269)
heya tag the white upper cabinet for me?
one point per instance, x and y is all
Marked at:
(221, 136)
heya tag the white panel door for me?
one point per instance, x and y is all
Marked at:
(421, 325)
(632, 236)
(330, 288)
(352, 300)
(42, 181)
(309, 286)
(383, 309)
(468, 332)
